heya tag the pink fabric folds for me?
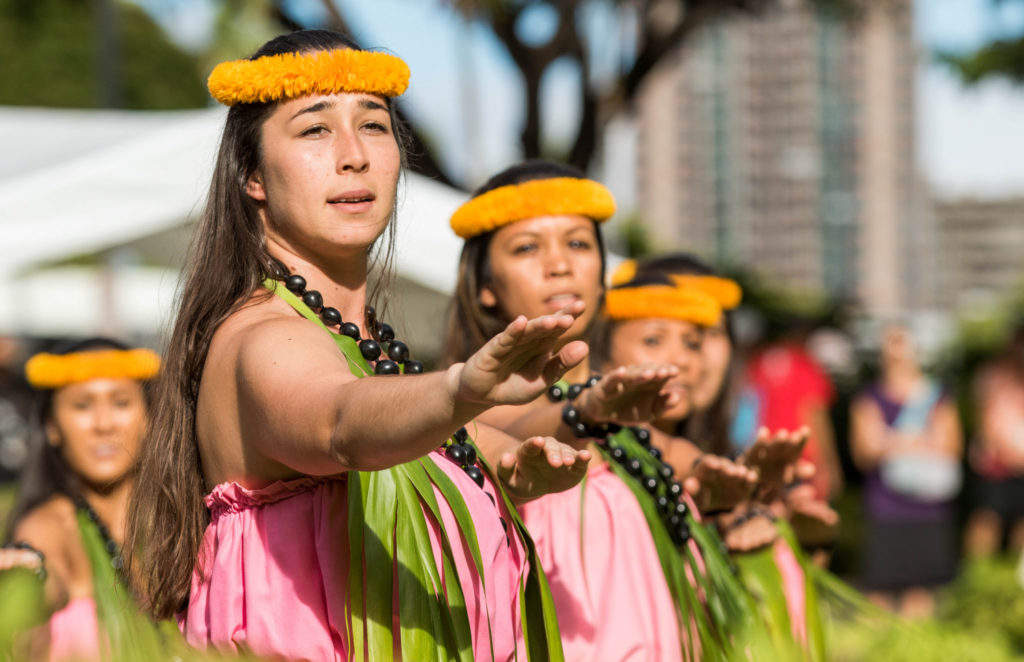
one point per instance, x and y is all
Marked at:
(609, 590)
(276, 570)
(74, 632)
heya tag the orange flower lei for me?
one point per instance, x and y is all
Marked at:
(291, 75)
(662, 301)
(47, 371)
(537, 197)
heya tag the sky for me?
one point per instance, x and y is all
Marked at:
(464, 90)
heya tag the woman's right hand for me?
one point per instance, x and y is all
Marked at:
(518, 364)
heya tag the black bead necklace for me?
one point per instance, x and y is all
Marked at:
(396, 351)
(110, 546)
(458, 448)
(641, 459)
(461, 451)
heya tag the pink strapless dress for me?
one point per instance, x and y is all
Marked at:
(609, 590)
(276, 568)
(74, 632)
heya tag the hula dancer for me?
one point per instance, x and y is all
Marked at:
(294, 485)
(621, 576)
(68, 523)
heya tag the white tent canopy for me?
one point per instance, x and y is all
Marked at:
(78, 182)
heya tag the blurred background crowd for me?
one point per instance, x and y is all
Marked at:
(857, 165)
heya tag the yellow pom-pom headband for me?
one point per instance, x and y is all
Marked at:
(661, 301)
(625, 273)
(46, 371)
(291, 75)
(726, 292)
(537, 197)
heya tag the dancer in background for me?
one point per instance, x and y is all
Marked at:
(709, 427)
(615, 547)
(294, 500)
(88, 420)
(905, 436)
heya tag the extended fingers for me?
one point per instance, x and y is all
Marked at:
(567, 358)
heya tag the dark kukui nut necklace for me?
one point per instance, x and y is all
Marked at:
(458, 448)
(659, 477)
(110, 546)
(397, 352)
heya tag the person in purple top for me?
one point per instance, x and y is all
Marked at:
(906, 438)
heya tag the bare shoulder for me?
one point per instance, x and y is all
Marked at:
(52, 528)
(49, 523)
(267, 332)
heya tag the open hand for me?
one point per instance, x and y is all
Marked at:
(814, 522)
(772, 456)
(629, 395)
(747, 528)
(542, 465)
(518, 364)
(718, 483)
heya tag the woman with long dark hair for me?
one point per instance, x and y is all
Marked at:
(293, 486)
(88, 419)
(614, 547)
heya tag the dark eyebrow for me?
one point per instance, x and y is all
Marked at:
(315, 108)
(370, 104)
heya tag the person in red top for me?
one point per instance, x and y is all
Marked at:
(792, 391)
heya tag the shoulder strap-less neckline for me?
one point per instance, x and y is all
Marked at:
(348, 346)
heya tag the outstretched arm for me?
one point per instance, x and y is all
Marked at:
(300, 406)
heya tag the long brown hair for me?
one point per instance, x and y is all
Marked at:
(227, 263)
(46, 473)
(470, 323)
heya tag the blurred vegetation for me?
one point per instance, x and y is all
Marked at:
(1001, 57)
(51, 54)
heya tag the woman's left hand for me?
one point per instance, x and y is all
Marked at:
(629, 395)
(542, 465)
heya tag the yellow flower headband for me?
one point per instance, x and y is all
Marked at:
(46, 371)
(624, 273)
(537, 197)
(291, 75)
(727, 292)
(661, 301)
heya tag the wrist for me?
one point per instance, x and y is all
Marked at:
(463, 405)
(590, 410)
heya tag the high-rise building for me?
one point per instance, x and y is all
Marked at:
(981, 245)
(784, 142)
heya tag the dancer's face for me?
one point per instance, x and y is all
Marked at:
(670, 341)
(328, 175)
(98, 425)
(541, 265)
(716, 353)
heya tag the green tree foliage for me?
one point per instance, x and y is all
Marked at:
(1003, 57)
(50, 52)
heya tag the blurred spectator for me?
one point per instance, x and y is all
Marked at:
(997, 457)
(905, 437)
(787, 389)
